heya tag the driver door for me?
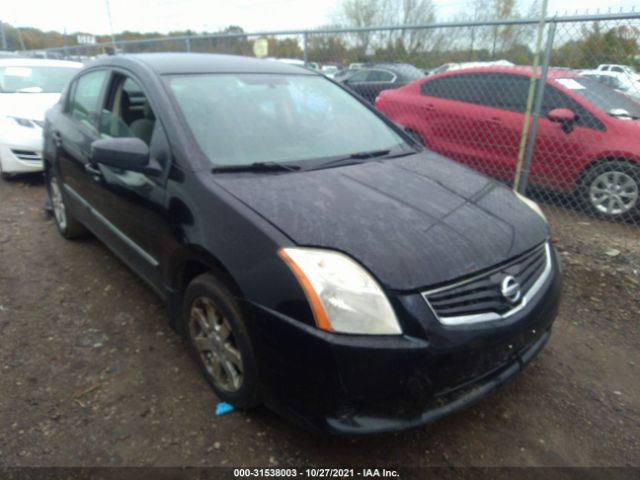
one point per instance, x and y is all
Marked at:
(132, 203)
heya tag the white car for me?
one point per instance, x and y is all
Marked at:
(28, 88)
(458, 66)
(617, 80)
(329, 70)
(626, 69)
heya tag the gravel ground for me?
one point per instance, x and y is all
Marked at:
(91, 374)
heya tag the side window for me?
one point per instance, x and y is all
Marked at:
(380, 76)
(447, 87)
(504, 91)
(617, 69)
(508, 92)
(554, 98)
(85, 97)
(128, 112)
(359, 76)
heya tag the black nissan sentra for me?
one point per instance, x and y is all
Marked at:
(316, 258)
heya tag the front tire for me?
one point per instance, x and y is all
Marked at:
(4, 175)
(67, 225)
(611, 190)
(219, 341)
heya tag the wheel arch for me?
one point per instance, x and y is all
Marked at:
(602, 160)
(187, 264)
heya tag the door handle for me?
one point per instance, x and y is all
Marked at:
(91, 170)
(429, 107)
(495, 120)
(56, 138)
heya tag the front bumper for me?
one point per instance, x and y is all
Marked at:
(23, 154)
(356, 384)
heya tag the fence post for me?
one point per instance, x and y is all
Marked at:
(3, 37)
(537, 106)
(304, 47)
(187, 42)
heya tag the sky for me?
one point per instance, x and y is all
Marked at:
(212, 15)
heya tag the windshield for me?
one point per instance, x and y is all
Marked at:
(19, 79)
(601, 96)
(241, 119)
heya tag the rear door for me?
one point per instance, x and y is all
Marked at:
(73, 134)
(475, 118)
(443, 116)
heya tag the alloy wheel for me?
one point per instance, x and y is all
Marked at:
(59, 210)
(614, 193)
(215, 344)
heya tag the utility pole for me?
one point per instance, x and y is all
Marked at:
(3, 37)
(113, 37)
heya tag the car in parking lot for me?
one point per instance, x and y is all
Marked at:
(330, 70)
(28, 87)
(315, 256)
(372, 78)
(588, 141)
(617, 81)
(624, 69)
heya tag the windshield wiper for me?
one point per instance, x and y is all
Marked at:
(371, 154)
(358, 157)
(352, 159)
(256, 167)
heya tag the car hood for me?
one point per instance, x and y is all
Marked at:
(414, 222)
(27, 105)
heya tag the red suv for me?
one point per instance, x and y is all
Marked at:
(588, 135)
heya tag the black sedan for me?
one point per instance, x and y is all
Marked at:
(317, 259)
(373, 78)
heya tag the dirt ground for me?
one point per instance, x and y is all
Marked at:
(91, 374)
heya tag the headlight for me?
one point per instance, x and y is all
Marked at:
(343, 296)
(23, 122)
(531, 204)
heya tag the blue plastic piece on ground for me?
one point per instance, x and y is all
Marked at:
(223, 408)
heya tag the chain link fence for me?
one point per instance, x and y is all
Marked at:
(551, 108)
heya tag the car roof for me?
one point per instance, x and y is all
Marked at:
(37, 62)
(601, 73)
(517, 70)
(176, 63)
(390, 65)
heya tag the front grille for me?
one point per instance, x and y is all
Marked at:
(27, 155)
(481, 298)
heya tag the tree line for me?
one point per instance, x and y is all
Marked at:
(576, 46)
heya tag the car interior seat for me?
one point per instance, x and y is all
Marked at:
(143, 127)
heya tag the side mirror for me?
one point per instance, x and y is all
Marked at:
(563, 116)
(125, 153)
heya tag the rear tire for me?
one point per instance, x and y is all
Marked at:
(611, 190)
(67, 225)
(219, 341)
